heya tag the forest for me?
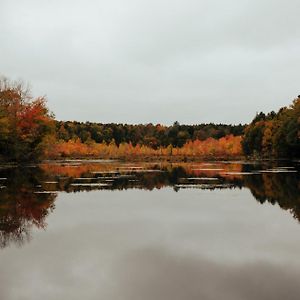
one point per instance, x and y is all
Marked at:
(30, 132)
(154, 136)
(274, 134)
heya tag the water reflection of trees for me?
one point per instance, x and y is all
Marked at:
(27, 195)
(83, 177)
(282, 188)
(21, 208)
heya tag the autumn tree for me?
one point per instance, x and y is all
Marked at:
(150, 135)
(25, 122)
(274, 135)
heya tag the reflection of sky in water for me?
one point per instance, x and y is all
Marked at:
(136, 244)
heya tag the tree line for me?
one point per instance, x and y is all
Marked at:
(150, 135)
(29, 131)
(274, 134)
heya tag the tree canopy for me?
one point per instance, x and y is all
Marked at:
(25, 122)
(29, 132)
(150, 135)
(274, 134)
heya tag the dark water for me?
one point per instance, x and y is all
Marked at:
(78, 230)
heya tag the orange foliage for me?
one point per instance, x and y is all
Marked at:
(226, 147)
(31, 117)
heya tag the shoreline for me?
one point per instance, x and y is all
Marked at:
(141, 159)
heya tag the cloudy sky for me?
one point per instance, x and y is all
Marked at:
(140, 61)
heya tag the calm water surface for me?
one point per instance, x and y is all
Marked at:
(109, 230)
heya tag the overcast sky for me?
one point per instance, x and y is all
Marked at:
(141, 61)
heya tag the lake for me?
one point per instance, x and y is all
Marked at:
(141, 231)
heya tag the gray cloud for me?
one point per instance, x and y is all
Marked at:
(154, 61)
